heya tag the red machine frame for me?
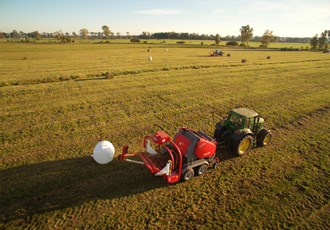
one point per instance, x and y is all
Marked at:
(162, 139)
(174, 168)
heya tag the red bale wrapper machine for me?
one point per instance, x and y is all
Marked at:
(188, 154)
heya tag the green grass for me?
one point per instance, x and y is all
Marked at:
(59, 62)
(49, 130)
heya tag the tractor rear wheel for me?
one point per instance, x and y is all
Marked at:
(188, 175)
(242, 146)
(201, 170)
(264, 137)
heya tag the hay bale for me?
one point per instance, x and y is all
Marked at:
(244, 60)
(228, 55)
(165, 50)
(268, 57)
(24, 58)
(109, 75)
(150, 58)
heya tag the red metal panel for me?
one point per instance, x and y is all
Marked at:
(204, 149)
(182, 142)
(160, 137)
(174, 177)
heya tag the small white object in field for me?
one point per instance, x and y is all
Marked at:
(165, 49)
(149, 58)
(103, 152)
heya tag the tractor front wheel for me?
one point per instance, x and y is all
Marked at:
(242, 146)
(264, 137)
(188, 175)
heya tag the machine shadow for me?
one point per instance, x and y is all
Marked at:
(44, 187)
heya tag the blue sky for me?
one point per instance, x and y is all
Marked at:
(290, 18)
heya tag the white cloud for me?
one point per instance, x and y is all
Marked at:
(159, 12)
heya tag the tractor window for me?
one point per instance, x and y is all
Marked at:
(236, 120)
(247, 123)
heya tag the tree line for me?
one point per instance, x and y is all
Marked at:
(83, 34)
(246, 35)
(321, 41)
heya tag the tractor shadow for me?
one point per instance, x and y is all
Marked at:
(49, 186)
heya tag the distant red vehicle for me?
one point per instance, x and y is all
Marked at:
(216, 53)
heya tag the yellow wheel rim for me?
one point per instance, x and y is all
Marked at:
(245, 144)
(266, 139)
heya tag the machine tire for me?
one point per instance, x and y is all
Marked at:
(264, 137)
(242, 146)
(201, 169)
(188, 175)
(215, 165)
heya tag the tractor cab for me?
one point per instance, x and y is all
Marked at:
(243, 118)
(241, 130)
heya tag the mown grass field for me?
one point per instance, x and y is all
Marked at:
(56, 62)
(48, 132)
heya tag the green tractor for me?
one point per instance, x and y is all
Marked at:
(242, 130)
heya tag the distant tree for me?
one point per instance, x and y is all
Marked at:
(246, 34)
(68, 39)
(1, 36)
(143, 35)
(112, 34)
(217, 39)
(22, 33)
(267, 37)
(257, 38)
(14, 34)
(84, 33)
(59, 35)
(74, 34)
(129, 37)
(106, 31)
(118, 35)
(314, 41)
(323, 39)
(276, 39)
(36, 35)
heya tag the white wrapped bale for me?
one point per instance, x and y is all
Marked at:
(103, 152)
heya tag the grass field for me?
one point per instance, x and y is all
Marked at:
(48, 132)
(57, 62)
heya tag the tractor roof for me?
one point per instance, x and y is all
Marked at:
(245, 112)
